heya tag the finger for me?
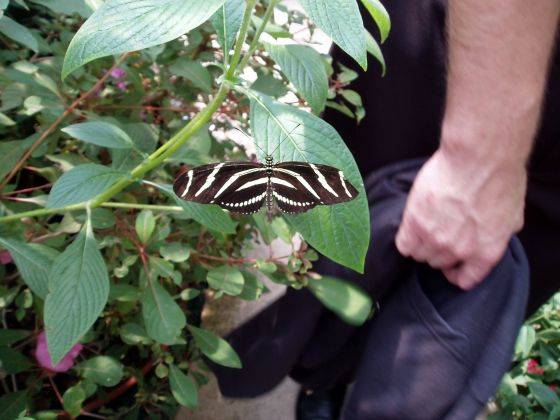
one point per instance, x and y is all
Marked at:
(407, 239)
(467, 275)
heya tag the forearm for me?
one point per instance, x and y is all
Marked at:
(498, 63)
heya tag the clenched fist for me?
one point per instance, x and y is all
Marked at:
(461, 215)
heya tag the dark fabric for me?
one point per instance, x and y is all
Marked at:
(431, 350)
(403, 119)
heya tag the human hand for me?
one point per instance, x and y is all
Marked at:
(461, 214)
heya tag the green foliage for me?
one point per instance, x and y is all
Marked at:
(530, 390)
(106, 254)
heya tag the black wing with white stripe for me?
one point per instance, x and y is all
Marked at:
(243, 187)
(306, 185)
(236, 186)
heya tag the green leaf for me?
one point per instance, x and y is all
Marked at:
(345, 299)
(18, 33)
(342, 22)
(12, 361)
(78, 291)
(134, 334)
(380, 16)
(303, 66)
(9, 337)
(175, 251)
(102, 370)
(252, 288)
(11, 152)
(545, 396)
(227, 279)
(189, 294)
(6, 121)
(373, 48)
(34, 262)
(145, 225)
(215, 348)
(182, 387)
(227, 22)
(163, 318)
(124, 293)
(101, 134)
(525, 341)
(73, 399)
(209, 215)
(269, 85)
(13, 404)
(120, 26)
(340, 232)
(194, 72)
(81, 184)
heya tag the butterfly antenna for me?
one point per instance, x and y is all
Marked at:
(282, 141)
(249, 137)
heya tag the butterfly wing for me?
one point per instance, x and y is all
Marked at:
(300, 186)
(235, 186)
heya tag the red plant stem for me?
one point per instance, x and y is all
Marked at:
(238, 260)
(144, 108)
(118, 391)
(55, 389)
(25, 190)
(56, 122)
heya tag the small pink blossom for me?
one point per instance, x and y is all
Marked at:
(118, 73)
(122, 85)
(553, 387)
(533, 367)
(43, 357)
(5, 257)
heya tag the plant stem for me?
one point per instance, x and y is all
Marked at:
(166, 150)
(260, 30)
(142, 207)
(56, 122)
(240, 40)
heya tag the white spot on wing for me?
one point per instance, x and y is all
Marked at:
(300, 179)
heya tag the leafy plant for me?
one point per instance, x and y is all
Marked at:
(530, 389)
(95, 248)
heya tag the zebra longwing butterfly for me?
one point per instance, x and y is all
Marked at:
(243, 187)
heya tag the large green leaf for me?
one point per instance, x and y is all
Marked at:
(305, 69)
(13, 404)
(373, 48)
(215, 348)
(340, 20)
(82, 183)
(546, 397)
(193, 71)
(34, 262)
(120, 26)
(163, 318)
(227, 279)
(209, 215)
(102, 370)
(227, 22)
(345, 299)
(340, 232)
(18, 33)
(182, 387)
(101, 134)
(78, 291)
(13, 361)
(380, 15)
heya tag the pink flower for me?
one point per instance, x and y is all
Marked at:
(553, 387)
(5, 257)
(122, 85)
(533, 367)
(118, 73)
(44, 359)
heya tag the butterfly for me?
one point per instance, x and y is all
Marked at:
(243, 187)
